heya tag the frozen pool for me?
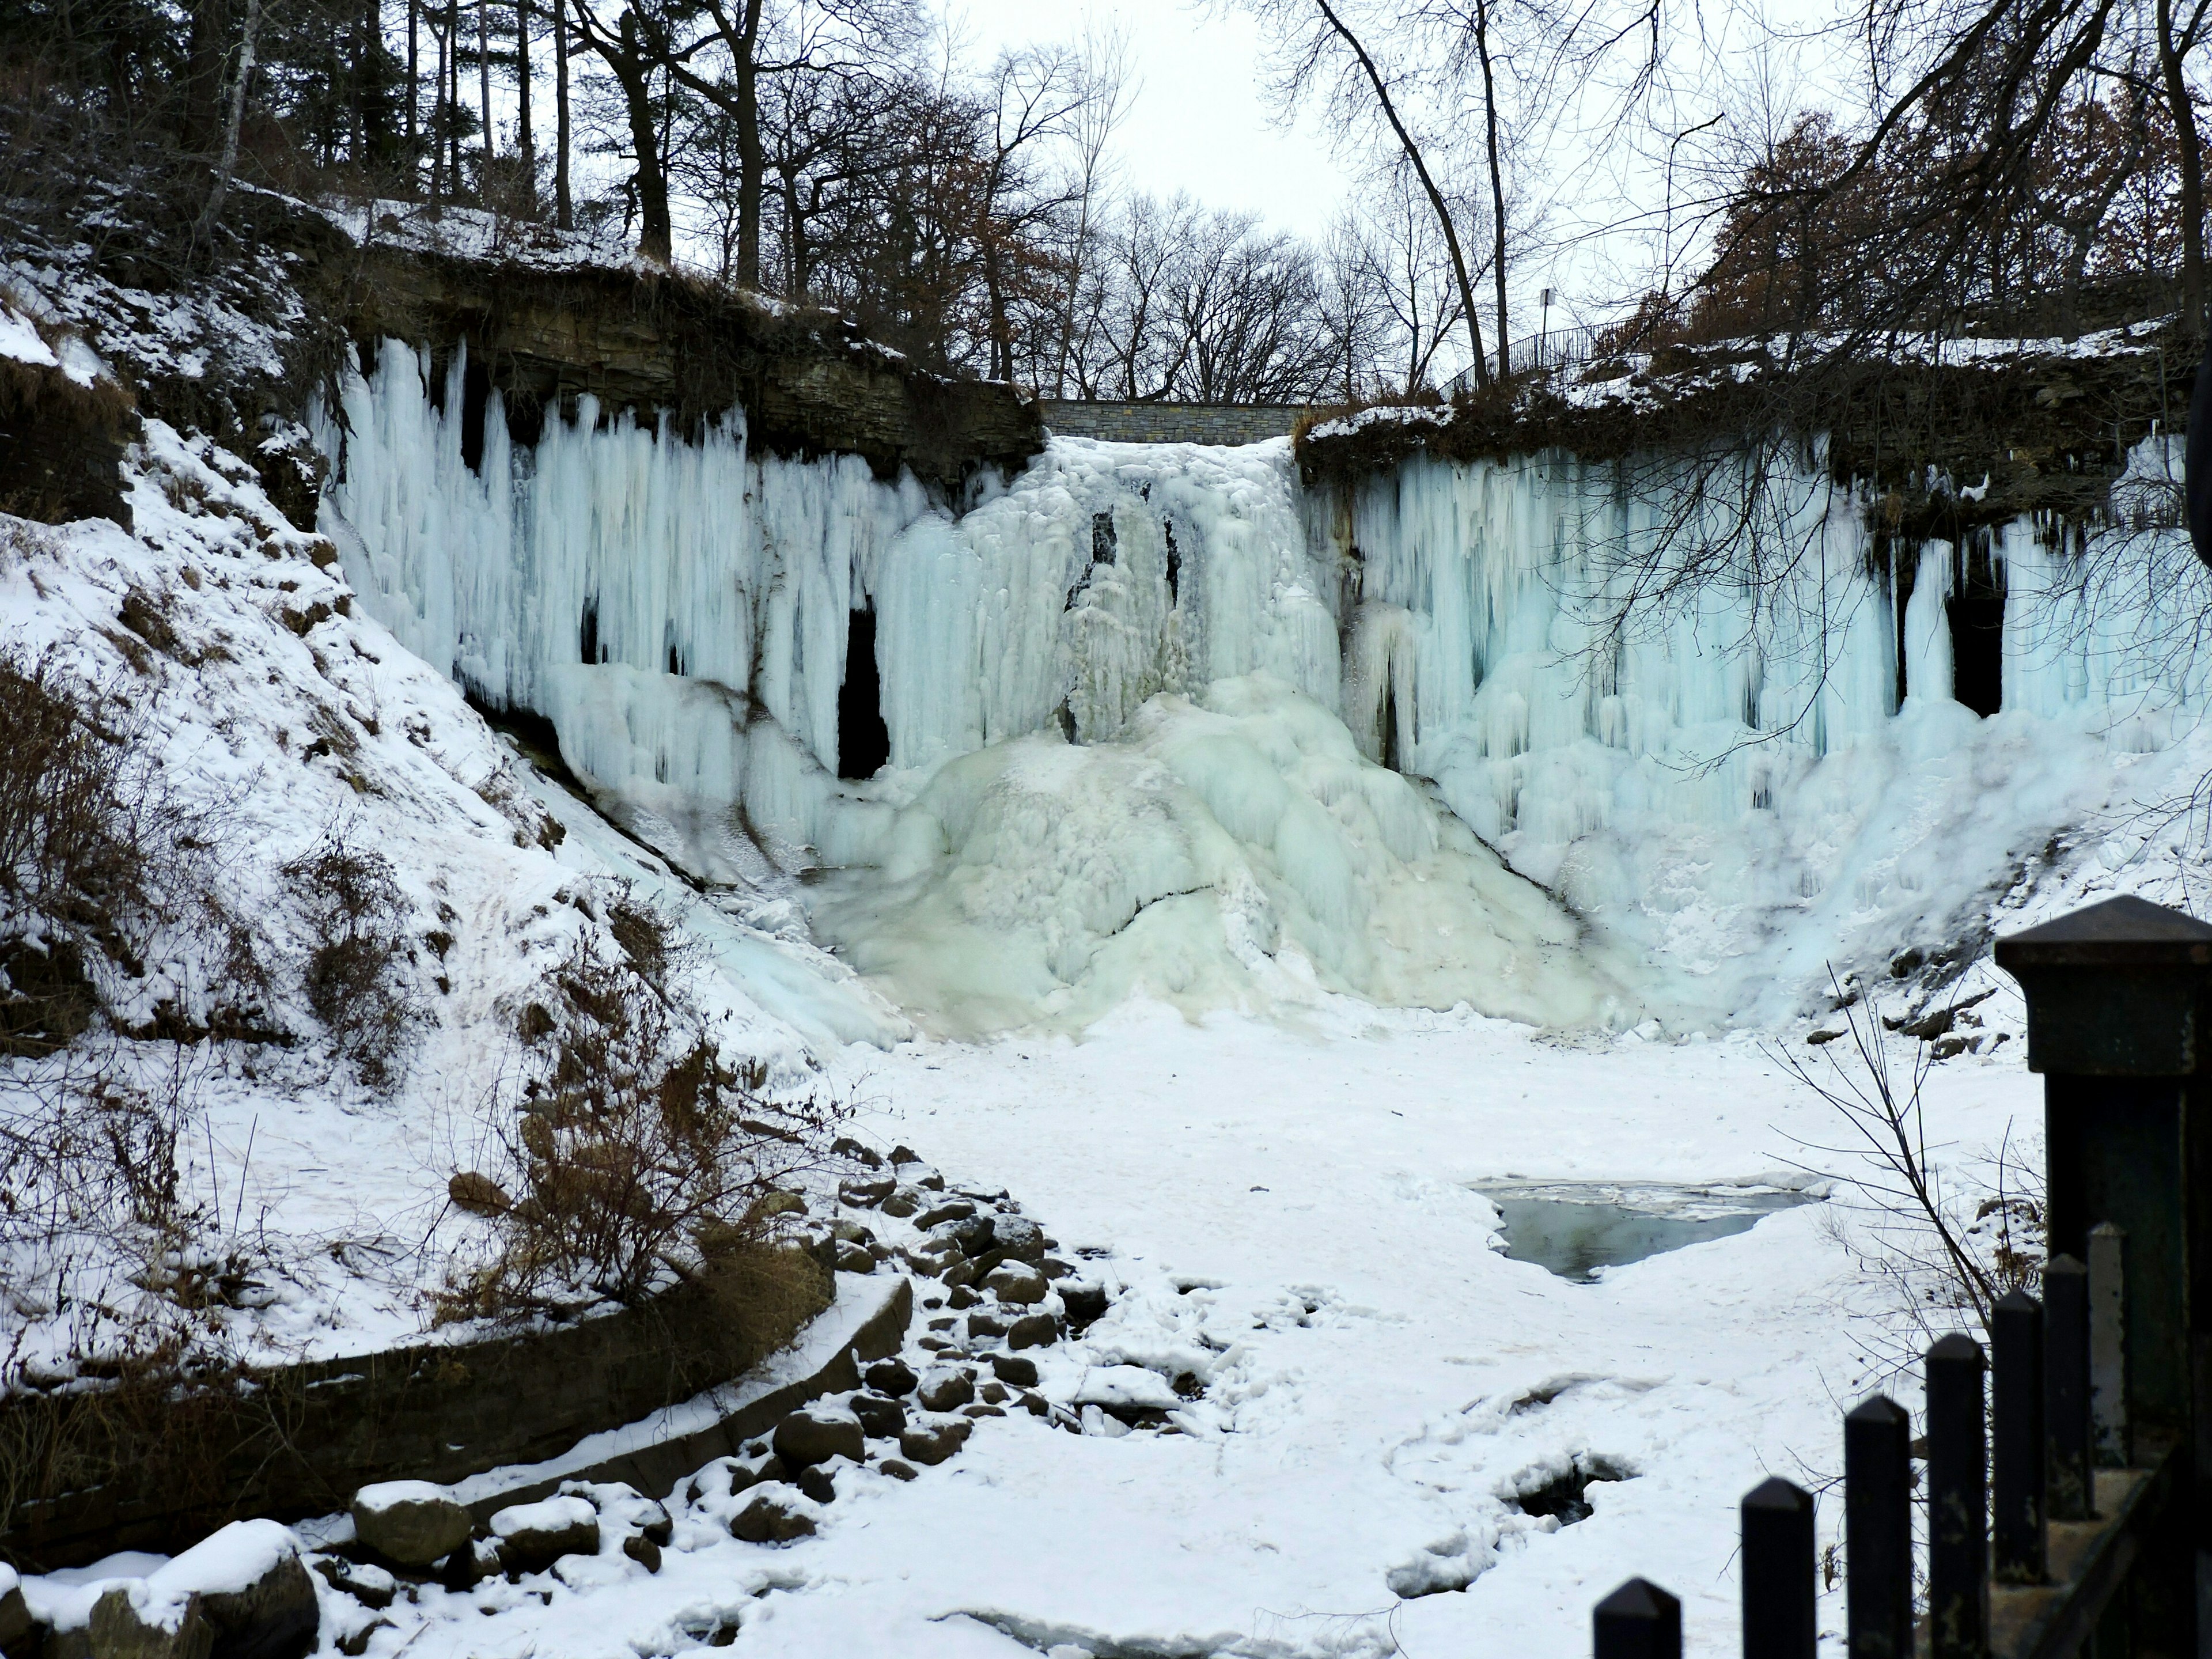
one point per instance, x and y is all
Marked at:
(1574, 1228)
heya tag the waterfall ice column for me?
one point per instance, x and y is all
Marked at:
(1721, 770)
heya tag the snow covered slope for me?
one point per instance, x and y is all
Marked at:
(1738, 787)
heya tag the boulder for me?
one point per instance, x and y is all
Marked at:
(775, 1515)
(815, 1483)
(901, 1202)
(880, 1418)
(890, 1376)
(1011, 1367)
(410, 1523)
(1017, 1283)
(854, 1259)
(248, 1584)
(985, 1326)
(846, 1146)
(369, 1585)
(1036, 1330)
(953, 1209)
(533, 1536)
(815, 1434)
(898, 1470)
(904, 1155)
(643, 1550)
(962, 1297)
(1020, 1238)
(944, 1390)
(124, 1628)
(932, 1442)
(866, 1195)
(15, 1622)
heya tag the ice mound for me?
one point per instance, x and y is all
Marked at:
(1236, 850)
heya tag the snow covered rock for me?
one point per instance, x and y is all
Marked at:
(815, 1434)
(410, 1523)
(775, 1515)
(533, 1536)
(1036, 1330)
(1018, 1237)
(1012, 1368)
(1126, 1388)
(890, 1376)
(881, 1418)
(945, 1390)
(1015, 1282)
(933, 1443)
(15, 1616)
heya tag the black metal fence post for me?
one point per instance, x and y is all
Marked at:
(2119, 1023)
(2108, 1344)
(1639, 1621)
(2069, 1438)
(1779, 1620)
(2016, 1448)
(1878, 1529)
(1957, 1502)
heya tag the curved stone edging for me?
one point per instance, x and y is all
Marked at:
(656, 1452)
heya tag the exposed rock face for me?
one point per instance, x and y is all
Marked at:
(807, 380)
(2044, 431)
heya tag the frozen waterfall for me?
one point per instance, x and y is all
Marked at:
(1138, 718)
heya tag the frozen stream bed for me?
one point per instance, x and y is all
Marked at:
(1294, 1212)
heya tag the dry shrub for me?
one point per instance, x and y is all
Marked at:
(80, 856)
(632, 1157)
(356, 977)
(1947, 1243)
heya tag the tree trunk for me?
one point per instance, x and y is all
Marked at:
(206, 52)
(2189, 143)
(414, 92)
(525, 142)
(438, 125)
(635, 72)
(483, 89)
(1412, 152)
(1496, 182)
(744, 52)
(233, 118)
(564, 207)
(454, 97)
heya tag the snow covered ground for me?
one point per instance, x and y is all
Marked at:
(1287, 1217)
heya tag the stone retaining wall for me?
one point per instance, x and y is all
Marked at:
(1168, 423)
(83, 1475)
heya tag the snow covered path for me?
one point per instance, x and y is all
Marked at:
(1379, 1369)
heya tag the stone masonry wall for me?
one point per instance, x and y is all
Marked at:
(1169, 424)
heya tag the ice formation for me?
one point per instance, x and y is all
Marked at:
(1131, 719)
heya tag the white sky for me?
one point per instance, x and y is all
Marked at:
(1199, 121)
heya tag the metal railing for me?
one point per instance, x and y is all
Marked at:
(2066, 1511)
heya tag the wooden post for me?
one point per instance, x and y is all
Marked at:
(2119, 1023)
(1639, 1621)
(1957, 1502)
(2069, 1438)
(1778, 1594)
(2017, 1454)
(1878, 1529)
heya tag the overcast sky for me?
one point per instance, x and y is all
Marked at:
(1199, 122)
